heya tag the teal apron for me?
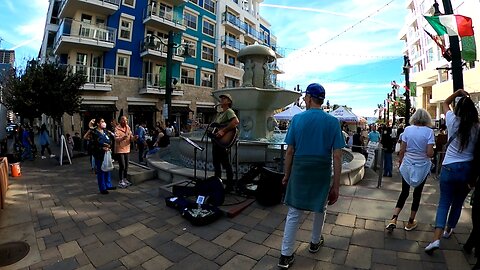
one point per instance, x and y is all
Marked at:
(309, 183)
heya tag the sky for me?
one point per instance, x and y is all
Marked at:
(351, 47)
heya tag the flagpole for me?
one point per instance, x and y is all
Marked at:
(406, 71)
(457, 68)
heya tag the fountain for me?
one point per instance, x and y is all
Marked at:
(254, 103)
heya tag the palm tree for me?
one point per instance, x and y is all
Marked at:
(379, 109)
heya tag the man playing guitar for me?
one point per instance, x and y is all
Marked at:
(229, 121)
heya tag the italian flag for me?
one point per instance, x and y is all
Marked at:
(452, 25)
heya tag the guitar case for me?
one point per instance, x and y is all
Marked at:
(197, 215)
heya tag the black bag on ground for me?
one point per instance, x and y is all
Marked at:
(270, 189)
(212, 189)
(198, 216)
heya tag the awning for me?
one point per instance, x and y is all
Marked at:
(206, 110)
(181, 109)
(142, 108)
(98, 108)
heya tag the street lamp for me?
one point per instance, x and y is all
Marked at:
(394, 95)
(457, 68)
(169, 65)
(406, 71)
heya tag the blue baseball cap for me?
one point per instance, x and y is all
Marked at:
(315, 90)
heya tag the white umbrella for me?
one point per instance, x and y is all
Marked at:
(345, 115)
(288, 113)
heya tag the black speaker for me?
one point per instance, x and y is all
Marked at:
(270, 189)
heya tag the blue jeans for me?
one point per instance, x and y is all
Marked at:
(103, 178)
(387, 164)
(453, 191)
(291, 227)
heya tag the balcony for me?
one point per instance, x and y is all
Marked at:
(251, 33)
(233, 23)
(279, 52)
(74, 35)
(68, 8)
(154, 84)
(156, 49)
(232, 44)
(158, 18)
(98, 79)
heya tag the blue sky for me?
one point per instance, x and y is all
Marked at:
(351, 47)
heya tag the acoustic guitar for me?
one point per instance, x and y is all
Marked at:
(227, 140)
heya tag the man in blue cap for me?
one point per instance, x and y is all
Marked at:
(311, 138)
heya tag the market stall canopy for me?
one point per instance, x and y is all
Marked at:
(288, 113)
(345, 115)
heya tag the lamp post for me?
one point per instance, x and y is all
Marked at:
(457, 68)
(388, 107)
(406, 71)
(169, 65)
(394, 90)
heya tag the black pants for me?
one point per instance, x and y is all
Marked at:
(141, 149)
(474, 239)
(122, 165)
(45, 146)
(417, 194)
(220, 158)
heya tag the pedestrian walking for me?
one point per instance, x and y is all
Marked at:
(357, 144)
(123, 138)
(311, 138)
(416, 149)
(462, 126)
(141, 140)
(101, 143)
(388, 147)
(44, 140)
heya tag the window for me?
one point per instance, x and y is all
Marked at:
(230, 60)
(209, 5)
(191, 20)
(191, 45)
(125, 32)
(166, 11)
(430, 55)
(230, 82)
(194, 1)
(129, 3)
(81, 62)
(122, 64)
(207, 79)
(208, 28)
(207, 53)
(188, 76)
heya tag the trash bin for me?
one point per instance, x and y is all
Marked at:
(16, 171)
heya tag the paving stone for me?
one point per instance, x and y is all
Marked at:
(195, 262)
(256, 236)
(419, 236)
(259, 213)
(186, 239)
(225, 257)
(375, 225)
(93, 221)
(359, 257)
(112, 265)
(110, 218)
(342, 231)
(105, 254)
(228, 238)
(267, 262)
(108, 236)
(336, 242)
(339, 256)
(131, 229)
(434, 266)
(205, 232)
(41, 244)
(144, 233)
(53, 240)
(367, 238)
(50, 253)
(324, 254)
(382, 256)
(138, 257)
(273, 241)
(455, 259)
(266, 229)
(87, 240)
(377, 266)
(250, 249)
(239, 262)
(273, 220)
(206, 249)
(69, 249)
(158, 262)
(97, 228)
(360, 223)
(408, 256)
(82, 259)
(42, 233)
(173, 251)
(71, 234)
(402, 245)
(345, 220)
(330, 266)
(66, 264)
(87, 267)
(160, 239)
(403, 264)
(245, 220)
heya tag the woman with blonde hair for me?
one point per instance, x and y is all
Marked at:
(463, 126)
(416, 149)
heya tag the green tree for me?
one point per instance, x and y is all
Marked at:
(49, 88)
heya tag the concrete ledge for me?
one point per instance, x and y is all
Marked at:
(354, 171)
(137, 173)
(170, 173)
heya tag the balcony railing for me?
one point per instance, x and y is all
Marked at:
(159, 45)
(93, 74)
(154, 80)
(227, 17)
(161, 14)
(97, 2)
(232, 43)
(73, 28)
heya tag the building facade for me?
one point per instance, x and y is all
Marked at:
(429, 69)
(121, 46)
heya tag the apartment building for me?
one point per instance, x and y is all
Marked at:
(430, 70)
(121, 46)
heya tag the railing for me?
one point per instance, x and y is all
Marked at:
(113, 2)
(227, 17)
(156, 11)
(153, 80)
(232, 42)
(159, 45)
(93, 74)
(73, 28)
(280, 51)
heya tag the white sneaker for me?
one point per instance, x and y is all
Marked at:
(432, 247)
(122, 184)
(52, 156)
(127, 182)
(44, 157)
(447, 234)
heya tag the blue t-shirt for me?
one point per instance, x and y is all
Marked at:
(314, 133)
(141, 134)
(374, 136)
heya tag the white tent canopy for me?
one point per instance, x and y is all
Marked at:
(288, 113)
(345, 115)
